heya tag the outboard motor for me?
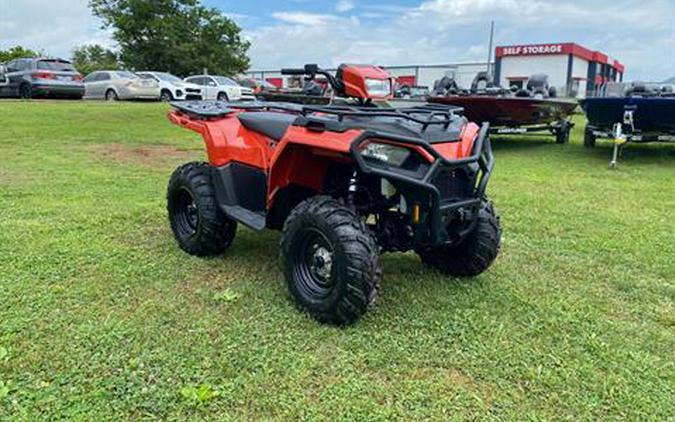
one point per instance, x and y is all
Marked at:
(445, 86)
(538, 85)
(481, 82)
(640, 89)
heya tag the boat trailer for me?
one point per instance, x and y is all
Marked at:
(623, 133)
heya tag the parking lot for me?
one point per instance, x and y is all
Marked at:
(103, 314)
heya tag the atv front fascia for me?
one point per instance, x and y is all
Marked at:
(435, 212)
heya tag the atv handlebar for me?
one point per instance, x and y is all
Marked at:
(311, 70)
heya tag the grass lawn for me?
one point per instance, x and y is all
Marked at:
(103, 317)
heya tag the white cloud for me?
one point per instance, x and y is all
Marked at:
(442, 31)
(344, 6)
(309, 19)
(639, 34)
(55, 27)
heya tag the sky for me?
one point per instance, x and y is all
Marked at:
(639, 33)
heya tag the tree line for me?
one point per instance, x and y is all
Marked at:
(181, 37)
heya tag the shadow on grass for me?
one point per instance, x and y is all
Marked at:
(648, 150)
(632, 153)
(508, 143)
(399, 269)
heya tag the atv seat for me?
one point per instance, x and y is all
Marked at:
(272, 125)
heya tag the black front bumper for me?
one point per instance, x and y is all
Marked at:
(437, 209)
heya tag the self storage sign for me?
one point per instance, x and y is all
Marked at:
(527, 50)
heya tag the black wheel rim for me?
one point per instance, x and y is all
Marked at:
(185, 214)
(222, 97)
(313, 265)
(165, 96)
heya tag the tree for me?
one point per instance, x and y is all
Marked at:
(89, 58)
(18, 52)
(177, 36)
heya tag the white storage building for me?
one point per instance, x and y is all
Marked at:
(572, 69)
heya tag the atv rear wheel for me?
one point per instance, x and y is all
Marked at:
(330, 260)
(474, 254)
(198, 224)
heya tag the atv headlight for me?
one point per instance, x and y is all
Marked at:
(388, 154)
(378, 87)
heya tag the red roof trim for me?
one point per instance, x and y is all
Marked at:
(555, 49)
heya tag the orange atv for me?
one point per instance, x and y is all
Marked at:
(342, 183)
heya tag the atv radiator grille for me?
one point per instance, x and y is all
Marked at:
(453, 185)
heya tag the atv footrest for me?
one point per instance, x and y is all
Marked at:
(254, 220)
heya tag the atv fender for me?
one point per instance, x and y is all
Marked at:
(241, 191)
(301, 158)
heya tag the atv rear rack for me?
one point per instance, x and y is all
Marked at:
(202, 109)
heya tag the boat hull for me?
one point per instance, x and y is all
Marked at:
(510, 111)
(651, 114)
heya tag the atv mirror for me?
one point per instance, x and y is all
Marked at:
(311, 69)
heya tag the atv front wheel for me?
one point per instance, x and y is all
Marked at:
(474, 254)
(198, 224)
(330, 260)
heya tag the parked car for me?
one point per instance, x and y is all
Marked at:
(221, 88)
(257, 85)
(113, 85)
(172, 87)
(40, 77)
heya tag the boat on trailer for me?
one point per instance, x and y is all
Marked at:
(630, 113)
(534, 109)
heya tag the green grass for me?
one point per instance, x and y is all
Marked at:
(102, 317)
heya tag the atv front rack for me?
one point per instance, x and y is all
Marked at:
(436, 114)
(481, 154)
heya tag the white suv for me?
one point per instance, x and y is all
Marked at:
(172, 87)
(221, 88)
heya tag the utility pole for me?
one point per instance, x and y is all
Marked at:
(492, 34)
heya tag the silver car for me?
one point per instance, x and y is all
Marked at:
(113, 85)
